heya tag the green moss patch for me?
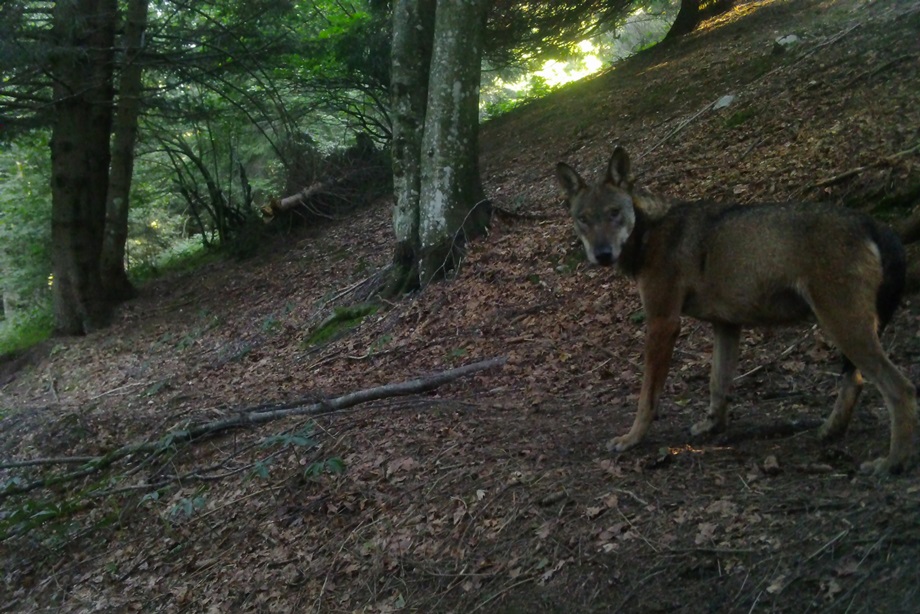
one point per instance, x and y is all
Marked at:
(342, 320)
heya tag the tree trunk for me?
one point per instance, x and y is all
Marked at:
(84, 30)
(413, 40)
(451, 186)
(688, 17)
(114, 277)
(693, 12)
(435, 90)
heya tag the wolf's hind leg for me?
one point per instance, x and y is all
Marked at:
(724, 365)
(851, 385)
(901, 399)
(854, 333)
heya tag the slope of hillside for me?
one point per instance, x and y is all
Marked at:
(495, 493)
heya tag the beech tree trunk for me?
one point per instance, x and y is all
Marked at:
(114, 276)
(451, 185)
(413, 40)
(84, 31)
(437, 52)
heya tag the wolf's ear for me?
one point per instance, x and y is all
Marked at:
(570, 180)
(618, 167)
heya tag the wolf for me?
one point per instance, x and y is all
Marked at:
(738, 265)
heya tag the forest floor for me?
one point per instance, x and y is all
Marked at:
(495, 493)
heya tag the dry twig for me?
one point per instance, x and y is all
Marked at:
(247, 418)
(860, 169)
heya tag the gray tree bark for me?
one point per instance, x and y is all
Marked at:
(413, 39)
(437, 52)
(450, 182)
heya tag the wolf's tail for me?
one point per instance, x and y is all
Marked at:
(894, 273)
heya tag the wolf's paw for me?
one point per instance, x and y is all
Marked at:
(709, 426)
(622, 443)
(884, 466)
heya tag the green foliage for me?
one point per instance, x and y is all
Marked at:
(26, 328)
(570, 262)
(186, 507)
(156, 387)
(341, 320)
(342, 62)
(243, 101)
(260, 468)
(30, 514)
(739, 117)
(536, 88)
(333, 465)
(380, 343)
(25, 229)
(302, 438)
(526, 34)
(208, 322)
(456, 354)
(25, 241)
(599, 31)
(270, 324)
(181, 256)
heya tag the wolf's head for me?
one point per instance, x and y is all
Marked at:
(603, 213)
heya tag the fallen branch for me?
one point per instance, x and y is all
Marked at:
(252, 417)
(777, 430)
(280, 205)
(751, 148)
(680, 127)
(413, 386)
(841, 177)
(119, 389)
(871, 73)
(830, 41)
(62, 460)
(782, 355)
(801, 58)
(860, 169)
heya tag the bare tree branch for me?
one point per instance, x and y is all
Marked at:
(246, 418)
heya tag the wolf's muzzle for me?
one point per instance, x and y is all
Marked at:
(604, 255)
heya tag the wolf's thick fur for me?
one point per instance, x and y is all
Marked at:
(737, 265)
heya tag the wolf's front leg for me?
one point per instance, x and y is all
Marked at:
(659, 345)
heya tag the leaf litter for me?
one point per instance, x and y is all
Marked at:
(496, 493)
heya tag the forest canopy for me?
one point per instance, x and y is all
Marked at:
(237, 103)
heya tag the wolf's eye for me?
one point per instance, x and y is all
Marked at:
(614, 216)
(582, 220)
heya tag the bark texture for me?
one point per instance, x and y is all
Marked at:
(451, 186)
(413, 40)
(83, 92)
(114, 276)
(437, 53)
